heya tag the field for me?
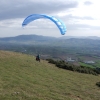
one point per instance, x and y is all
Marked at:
(23, 78)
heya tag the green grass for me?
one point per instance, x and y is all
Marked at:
(87, 65)
(23, 78)
(96, 64)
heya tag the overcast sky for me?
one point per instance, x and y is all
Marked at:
(81, 17)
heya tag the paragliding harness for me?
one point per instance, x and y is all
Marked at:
(38, 58)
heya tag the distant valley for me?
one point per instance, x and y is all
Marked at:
(76, 48)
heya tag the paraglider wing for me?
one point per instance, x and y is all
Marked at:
(58, 22)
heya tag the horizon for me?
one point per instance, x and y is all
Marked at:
(50, 36)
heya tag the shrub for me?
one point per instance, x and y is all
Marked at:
(51, 61)
(98, 84)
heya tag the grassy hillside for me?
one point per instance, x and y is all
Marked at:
(22, 78)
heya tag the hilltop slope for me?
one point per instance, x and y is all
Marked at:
(23, 78)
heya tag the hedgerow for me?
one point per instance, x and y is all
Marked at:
(71, 67)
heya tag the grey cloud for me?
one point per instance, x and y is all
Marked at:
(22, 8)
(87, 3)
(82, 26)
(76, 26)
(70, 16)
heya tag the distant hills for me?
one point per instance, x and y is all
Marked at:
(26, 39)
(81, 37)
(53, 41)
(40, 37)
